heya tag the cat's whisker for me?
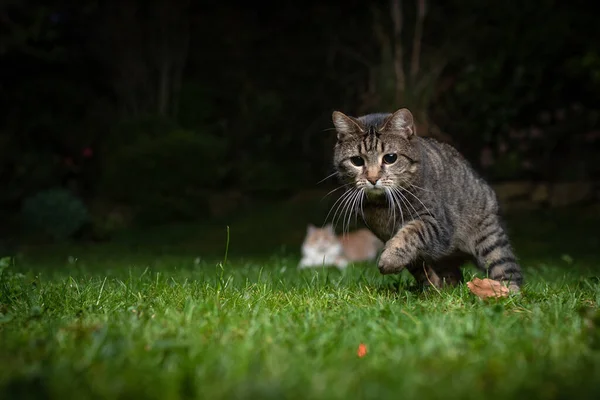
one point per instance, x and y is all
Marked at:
(399, 204)
(401, 214)
(341, 207)
(362, 199)
(327, 177)
(352, 209)
(348, 213)
(419, 200)
(339, 212)
(406, 202)
(420, 188)
(431, 191)
(395, 205)
(391, 208)
(408, 205)
(336, 189)
(400, 207)
(340, 199)
(342, 214)
(359, 204)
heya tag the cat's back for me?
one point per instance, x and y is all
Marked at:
(454, 189)
(360, 245)
(441, 154)
(447, 168)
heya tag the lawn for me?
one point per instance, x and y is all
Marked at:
(164, 314)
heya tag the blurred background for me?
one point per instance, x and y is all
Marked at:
(128, 116)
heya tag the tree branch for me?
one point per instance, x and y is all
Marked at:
(416, 49)
(396, 7)
(384, 40)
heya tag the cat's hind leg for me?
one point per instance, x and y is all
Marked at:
(445, 272)
(495, 255)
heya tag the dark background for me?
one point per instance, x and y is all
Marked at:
(155, 111)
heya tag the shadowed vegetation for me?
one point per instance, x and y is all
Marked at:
(175, 321)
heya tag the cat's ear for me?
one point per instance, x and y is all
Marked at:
(310, 228)
(346, 126)
(400, 123)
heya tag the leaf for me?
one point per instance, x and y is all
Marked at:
(484, 288)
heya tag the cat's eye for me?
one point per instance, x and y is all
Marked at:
(390, 158)
(357, 161)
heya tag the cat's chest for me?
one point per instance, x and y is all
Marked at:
(382, 221)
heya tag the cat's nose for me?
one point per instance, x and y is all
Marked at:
(373, 180)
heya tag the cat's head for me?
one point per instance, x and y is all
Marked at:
(321, 239)
(376, 151)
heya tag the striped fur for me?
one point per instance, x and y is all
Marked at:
(422, 198)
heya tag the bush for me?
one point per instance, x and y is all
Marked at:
(133, 131)
(56, 212)
(24, 170)
(166, 177)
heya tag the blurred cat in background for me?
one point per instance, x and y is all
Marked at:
(322, 247)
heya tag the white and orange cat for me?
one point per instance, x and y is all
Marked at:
(322, 247)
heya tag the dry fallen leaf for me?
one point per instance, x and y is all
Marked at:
(362, 350)
(485, 288)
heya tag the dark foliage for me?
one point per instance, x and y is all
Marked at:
(159, 104)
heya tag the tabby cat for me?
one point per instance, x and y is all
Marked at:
(322, 246)
(422, 198)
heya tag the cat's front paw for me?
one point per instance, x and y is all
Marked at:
(390, 262)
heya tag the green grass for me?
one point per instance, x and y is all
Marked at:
(133, 319)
